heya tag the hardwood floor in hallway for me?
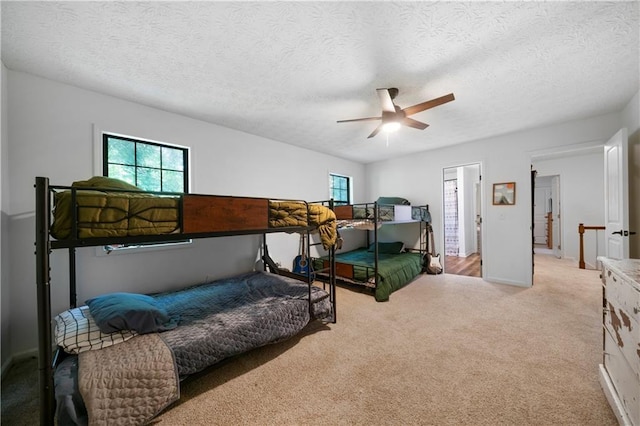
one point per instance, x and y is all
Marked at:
(468, 266)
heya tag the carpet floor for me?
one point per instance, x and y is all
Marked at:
(445, 350)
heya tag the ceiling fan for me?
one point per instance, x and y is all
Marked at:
(393, 116)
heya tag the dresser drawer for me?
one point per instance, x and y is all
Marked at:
(624, 331)
(622, 293)
(625, 380)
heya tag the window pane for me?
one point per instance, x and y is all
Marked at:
(149, 179)
(172, 159)
(172, 181)
(148, 155)
(120, 151)
(339, 188)
(125, 173)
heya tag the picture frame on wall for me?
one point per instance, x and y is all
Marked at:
(504, 194)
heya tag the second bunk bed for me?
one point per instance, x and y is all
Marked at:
(381, 267)
(121, 356)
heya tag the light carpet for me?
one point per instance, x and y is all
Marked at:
(445, 350)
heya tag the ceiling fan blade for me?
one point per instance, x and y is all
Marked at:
(386, 101)
(414, 123)
(376, 131)
(360, 119)
(428, 104)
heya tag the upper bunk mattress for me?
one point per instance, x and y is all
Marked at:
(111, 208)
(354, 214)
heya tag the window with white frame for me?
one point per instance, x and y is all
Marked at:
(151, 166)
(340, 188)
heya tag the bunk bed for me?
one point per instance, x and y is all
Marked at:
(380, 267)
(123, 351)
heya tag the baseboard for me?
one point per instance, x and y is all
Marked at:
(495, 280)
(612, 397)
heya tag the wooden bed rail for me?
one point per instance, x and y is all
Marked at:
(581, 229)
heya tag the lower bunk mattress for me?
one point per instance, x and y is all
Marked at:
(395, 270)
(215, 321)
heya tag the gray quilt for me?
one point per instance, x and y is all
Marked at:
(217, 320)
(231, 316)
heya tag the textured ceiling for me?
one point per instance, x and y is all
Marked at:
(288, 71)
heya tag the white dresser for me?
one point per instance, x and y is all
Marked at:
(620, 368)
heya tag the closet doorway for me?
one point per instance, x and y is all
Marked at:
(462, 220)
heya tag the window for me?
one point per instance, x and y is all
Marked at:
(151, 166)
(340, 188)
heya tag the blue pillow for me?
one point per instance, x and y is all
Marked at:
(129, 311)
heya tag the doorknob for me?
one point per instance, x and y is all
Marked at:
(625, 233)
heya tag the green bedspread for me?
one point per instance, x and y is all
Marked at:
(394, 270)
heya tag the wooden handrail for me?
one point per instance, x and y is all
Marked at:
(581, 229)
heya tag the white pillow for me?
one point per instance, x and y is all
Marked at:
(76, 331)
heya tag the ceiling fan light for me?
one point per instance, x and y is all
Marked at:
(391, 126)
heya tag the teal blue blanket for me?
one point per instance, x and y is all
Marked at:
(394, 270)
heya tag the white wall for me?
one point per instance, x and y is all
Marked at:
(582, 201)
(506, 230)
(50, 134)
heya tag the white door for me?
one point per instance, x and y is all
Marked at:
(555, 210)
(616, 196)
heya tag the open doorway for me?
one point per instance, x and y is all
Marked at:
(462, 220)
(546, 216)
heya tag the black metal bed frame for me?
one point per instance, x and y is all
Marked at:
(45, 245)
(423, 250)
